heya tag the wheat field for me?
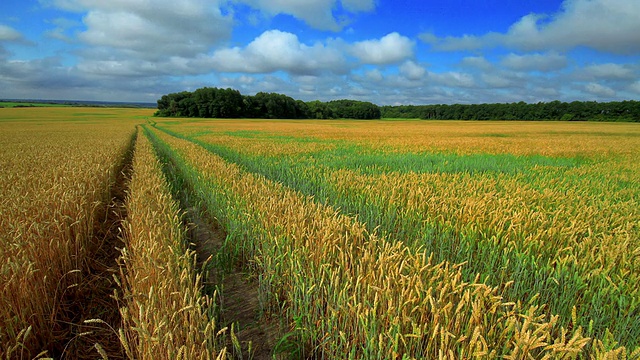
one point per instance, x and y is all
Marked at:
(546, 212)
(366, 239)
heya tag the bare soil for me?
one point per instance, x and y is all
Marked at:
(237, 290)
(92, 294)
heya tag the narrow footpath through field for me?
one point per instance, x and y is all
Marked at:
(89, 313)
(237, 292)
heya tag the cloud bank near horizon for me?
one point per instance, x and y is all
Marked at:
(137, 50)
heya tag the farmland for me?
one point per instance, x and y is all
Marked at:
(364, 239)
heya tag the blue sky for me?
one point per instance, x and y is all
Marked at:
(387, 52)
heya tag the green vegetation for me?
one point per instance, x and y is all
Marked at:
(324, 271)
(312, 173)
(229, 103)
(555, 110)
(14, 104)
(360, 239)
(522, 223)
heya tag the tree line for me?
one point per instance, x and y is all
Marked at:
(229, 103)
(628, 110)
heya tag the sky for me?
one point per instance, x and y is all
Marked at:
(388, 52)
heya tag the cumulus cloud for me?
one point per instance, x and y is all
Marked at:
(141, 49)
(535, 62)
(125, 68)
(412, 71)
(497, 81)
(44, 78)
(635, 87)
(604, 25)
(453, 43)
(318, 14)
(608, 71)
(9, 34)
(478, 62)
(389, 49)
(276, 50)
(453, 79)
(50, 78)
(599, 90)
(151, 31)
(374, 75)
(359, 5)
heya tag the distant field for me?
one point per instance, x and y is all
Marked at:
(366, 239)
(64, 114)
(75, 103)
(6, 104)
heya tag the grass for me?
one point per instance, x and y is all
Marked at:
(12, 104)
(47, 116)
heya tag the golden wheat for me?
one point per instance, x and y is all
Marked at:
(165, 316)
(55, 180)
(352, 294)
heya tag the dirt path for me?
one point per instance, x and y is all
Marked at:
(93, 298)
(238, 293)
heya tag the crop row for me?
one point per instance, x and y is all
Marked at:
(164, 313)
(565, 231)
(54, 188)
(366, 250)
(353, 293)
(95, 264)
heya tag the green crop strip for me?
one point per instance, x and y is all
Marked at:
(605, 306)
(331, 274)
(375, 162)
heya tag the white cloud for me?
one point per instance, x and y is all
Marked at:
(126, 68)
(535, 62)
(412, 71)
(318, 14)
(599, 90)
(123, 48)
(151, 29)
(359, 5)
(391, 48)
(478, 62)
(276, 50)
(635, 87)
(453, 79)
(374, 75)
(604, 25)
(609, 71)
(49, 78)
(452, 43)
(9, 34)
(497, 81)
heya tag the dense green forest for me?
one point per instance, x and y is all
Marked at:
(554, 110)
(228, 103)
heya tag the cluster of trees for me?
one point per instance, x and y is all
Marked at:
(555, 110)
(228, 103)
